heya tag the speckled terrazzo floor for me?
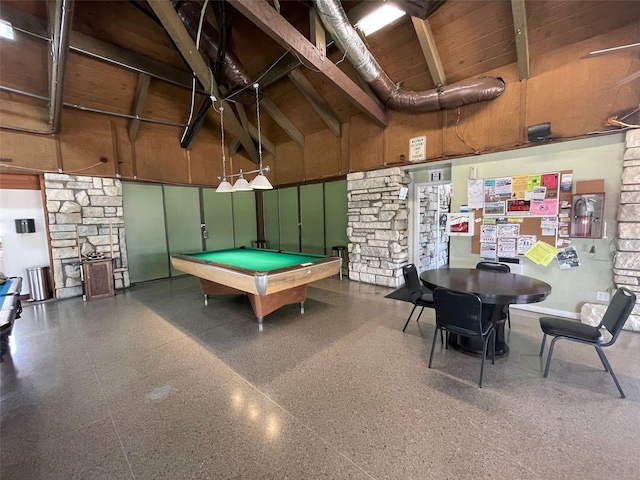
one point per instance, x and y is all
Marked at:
(152, 384)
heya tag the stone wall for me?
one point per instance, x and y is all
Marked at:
(378, 227)
(433, 239)
(626, 265)
(82, 212)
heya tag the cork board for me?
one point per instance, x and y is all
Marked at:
(529, 225)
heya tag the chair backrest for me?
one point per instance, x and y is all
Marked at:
(617, 312)
(412, 281)
(458, 312)
(493, 266)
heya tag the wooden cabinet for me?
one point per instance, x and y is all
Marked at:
(98, 278)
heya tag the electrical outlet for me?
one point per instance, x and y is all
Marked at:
(602, 296)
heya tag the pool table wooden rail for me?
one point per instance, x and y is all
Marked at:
(257, 283)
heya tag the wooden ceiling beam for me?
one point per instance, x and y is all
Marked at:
(282, 120)
(317, 34)
(318, 103)
(522, 37)
(234, 146)
(139, 101)
(267, 19)
(253, 131)
(25, 21)
(178, 33)
(429, 50)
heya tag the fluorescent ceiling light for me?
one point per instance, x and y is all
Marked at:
(379, 18)
(6, 30)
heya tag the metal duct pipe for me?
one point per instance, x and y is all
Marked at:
(450, 96)
(189, 13)
(59, 49)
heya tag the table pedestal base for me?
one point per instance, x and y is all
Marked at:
(262, 305)
(473, 345)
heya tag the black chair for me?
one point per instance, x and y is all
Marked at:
(497, 267)
(614, 318)
(460, 313)
(418, 296)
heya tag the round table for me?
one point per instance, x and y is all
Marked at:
(497, 291)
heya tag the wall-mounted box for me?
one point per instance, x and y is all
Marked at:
(587, 215)
(25, 225)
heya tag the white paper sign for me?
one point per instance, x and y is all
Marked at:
(418, 148)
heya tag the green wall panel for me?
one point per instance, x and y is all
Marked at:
(218, 218)
(271, 219)
(335, 207)
(244, 219)
(312, 218)
(182, 208)
(288, 208)
(145, 232)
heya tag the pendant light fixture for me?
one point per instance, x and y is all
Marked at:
(224, 186)
(260, 182)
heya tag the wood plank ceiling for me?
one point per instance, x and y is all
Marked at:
(468, 39)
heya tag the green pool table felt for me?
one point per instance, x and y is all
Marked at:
(257, 259)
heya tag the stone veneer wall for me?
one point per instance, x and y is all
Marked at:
(626, 266)
(434, 241)
(81, 209)
(378, 227)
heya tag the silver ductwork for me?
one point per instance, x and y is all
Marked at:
(189, 13)
(393, 96)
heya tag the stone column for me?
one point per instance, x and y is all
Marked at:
(626, 265)
(82, 212)
(378, 226)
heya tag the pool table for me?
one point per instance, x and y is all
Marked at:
(270, 278)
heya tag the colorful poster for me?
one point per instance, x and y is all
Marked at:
(503, 187)
(525, 242)
(550, 181)
(545, 208)
(507, 247)
(494, 208)
(519, 186)
(508, 230)
(488, 234)
(518, 207)
(533, 181)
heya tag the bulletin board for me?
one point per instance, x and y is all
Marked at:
(516, 211)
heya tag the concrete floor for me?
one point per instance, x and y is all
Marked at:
(152, 384)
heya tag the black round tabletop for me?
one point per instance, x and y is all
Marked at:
(492, 287)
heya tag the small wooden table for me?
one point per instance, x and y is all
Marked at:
(497, 291)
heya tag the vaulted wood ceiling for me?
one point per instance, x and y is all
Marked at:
(470, 39)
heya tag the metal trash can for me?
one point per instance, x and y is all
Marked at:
(39, 283)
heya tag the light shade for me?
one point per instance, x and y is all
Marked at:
(224, 187)
(261, 183)
(241, 185)
(379, 18)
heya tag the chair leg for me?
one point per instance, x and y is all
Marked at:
(442, 338)
(485, 341)
(493, 351)
(544, 339)
(408, 319)
(508, 319)
(603, 360)
(433, 344)
(546, 369)
(607, 367)
(420, 314)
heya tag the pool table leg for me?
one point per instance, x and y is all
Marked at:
(206, 299)
(302, 307)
